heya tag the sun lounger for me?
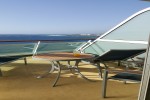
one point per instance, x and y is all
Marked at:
(115, 55)
(118, 54)
(12, 51)
(8, 59)
(127, 75)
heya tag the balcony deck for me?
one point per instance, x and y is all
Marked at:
(19, 83)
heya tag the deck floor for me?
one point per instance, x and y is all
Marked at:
(19, 83)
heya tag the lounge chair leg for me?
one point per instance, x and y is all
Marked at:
(68, 62)
(119, 63)
(99, 69)
(1, 73)
(25, 61)
(125, 82)
(58, 76)
(104, 84)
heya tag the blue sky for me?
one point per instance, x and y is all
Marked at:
(64, 16)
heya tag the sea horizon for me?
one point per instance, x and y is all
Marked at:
(6, 37)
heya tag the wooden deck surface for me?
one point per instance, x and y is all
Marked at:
(19, 83)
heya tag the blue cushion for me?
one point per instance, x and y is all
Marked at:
(126, 75)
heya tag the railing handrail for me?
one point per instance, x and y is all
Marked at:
(66, 40)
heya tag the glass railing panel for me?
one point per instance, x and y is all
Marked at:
(10, 49)
(24, 48)
(45, 47)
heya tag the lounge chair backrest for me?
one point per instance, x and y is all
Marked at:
(79, 48)
(113, 55)
(131, 33)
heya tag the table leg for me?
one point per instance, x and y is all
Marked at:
(50, 70)
(71, 68)
(78, 71)
(99, 69)
(54, 66)
(58, 75)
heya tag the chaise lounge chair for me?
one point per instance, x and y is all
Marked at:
(126, 75)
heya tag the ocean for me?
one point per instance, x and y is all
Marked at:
(15, 37)
(49, 43)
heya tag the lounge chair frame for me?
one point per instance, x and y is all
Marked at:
(132, 53)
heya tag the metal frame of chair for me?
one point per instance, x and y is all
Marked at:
(121, 55)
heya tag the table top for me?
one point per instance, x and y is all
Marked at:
(63, 56)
